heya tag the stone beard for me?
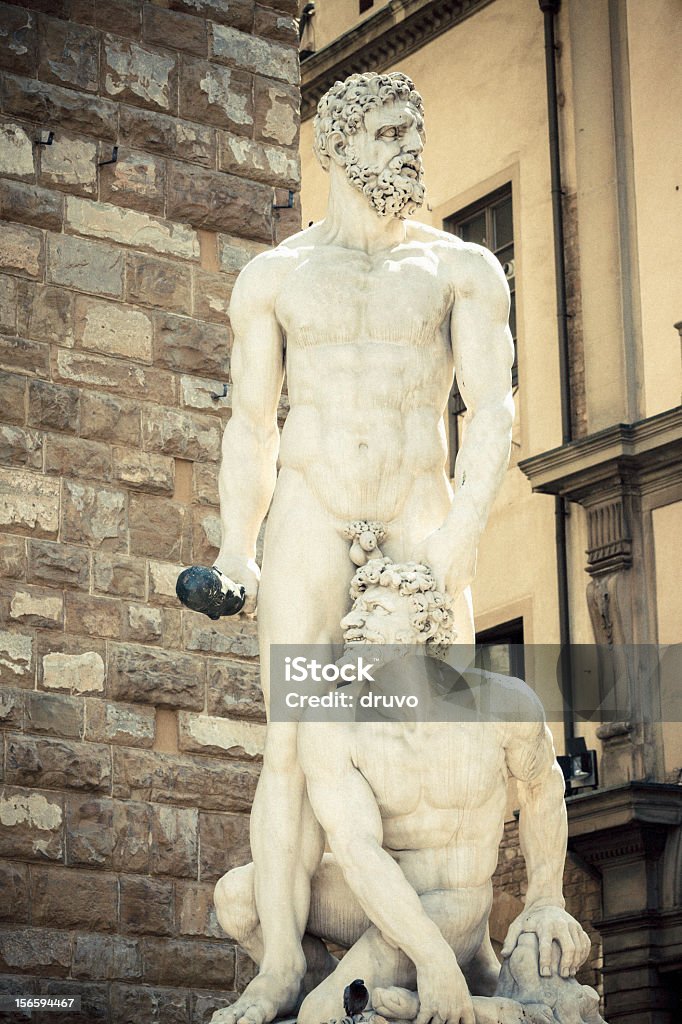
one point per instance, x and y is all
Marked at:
(395, 190)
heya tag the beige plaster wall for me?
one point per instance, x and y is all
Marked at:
(334, 17)
(667, 530)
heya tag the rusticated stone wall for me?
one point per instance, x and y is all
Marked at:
(131, 730)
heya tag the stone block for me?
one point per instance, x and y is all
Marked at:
(94, 1000)
(125, 378)
(31, 606)
(69, 54)
(194, 910)
(238, 13)
(13, 397)
(73, 456)
(205, 1003)
(31, 204)
(121, 17)
(19, 447)
(118, 574)
(137, 180)
(11, 708)
(251, 53)
(53, 406)
(216, 95)
(276, 114)
(226, 636)
(69, 898)
(205, 537)
(45, 313)
(205, 484)
(87, 266)
(206, 734)
(92, 616)
(289, 7)
(89, 830)
(259, 162)
(17, 667)
(168, 136)
(175, 30)
(28, 503)
(131, 227)
(188, 345)
(54, 715)
(234, 253)
(35, 951)
(70, 164)
(31, 824)
(22, 251)
(93, 516)
(18, 39)
(58, 565)
(158, 283)
(276, 25)
(182, 961)
(57, 764)
(145, 625)
(162, 580)
(8, 303)
(208, 783)
(146, 905)
(212, 294)
(109, 418)
(219, 202)
(199, 392)
(287, 219)
(129, 724)
(44, 103)
(113, 329)
(138, 75)
(153, 473)
(106, 956)
(182, 435)
(30, 357)
(158, 527)
(223, 844)
(16, 151)
(12, 557)
(132, 830)
(14, 880)
(75, 673)
(152, 676)
(174, 839)
(131, 1004)
(246, 969)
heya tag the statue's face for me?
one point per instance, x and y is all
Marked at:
(380, 616)
(383, 159)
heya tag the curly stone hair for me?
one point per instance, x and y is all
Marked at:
(430, 609)
(343, 107)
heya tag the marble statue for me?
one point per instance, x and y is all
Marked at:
(413, 813)
(370, 314)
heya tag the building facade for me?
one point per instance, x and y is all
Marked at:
(147, 151)
(552, 139)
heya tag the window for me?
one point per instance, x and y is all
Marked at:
(487, 222)
(366, 5)
(501, 649)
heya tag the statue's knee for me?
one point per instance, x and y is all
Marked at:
(234, 903)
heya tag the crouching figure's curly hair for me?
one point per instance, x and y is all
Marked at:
(430, 609)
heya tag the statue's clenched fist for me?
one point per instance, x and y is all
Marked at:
(551, 924)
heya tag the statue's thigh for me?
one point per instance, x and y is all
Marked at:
(335, 914)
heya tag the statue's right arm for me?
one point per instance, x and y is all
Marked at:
(347, 809)
(250, 446)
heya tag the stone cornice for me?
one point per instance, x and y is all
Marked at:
(398, 29)
(648, 451)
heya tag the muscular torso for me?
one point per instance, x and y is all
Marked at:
(369, 369)
(442, 808)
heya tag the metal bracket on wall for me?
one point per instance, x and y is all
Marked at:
(44, 142)
(114, 158)
(285, 206)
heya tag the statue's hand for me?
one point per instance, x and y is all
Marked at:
(551, 924)
(452, 558)
(443, 994)
(242, 570)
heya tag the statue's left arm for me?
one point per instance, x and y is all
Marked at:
(483, 353)
(543, 832)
